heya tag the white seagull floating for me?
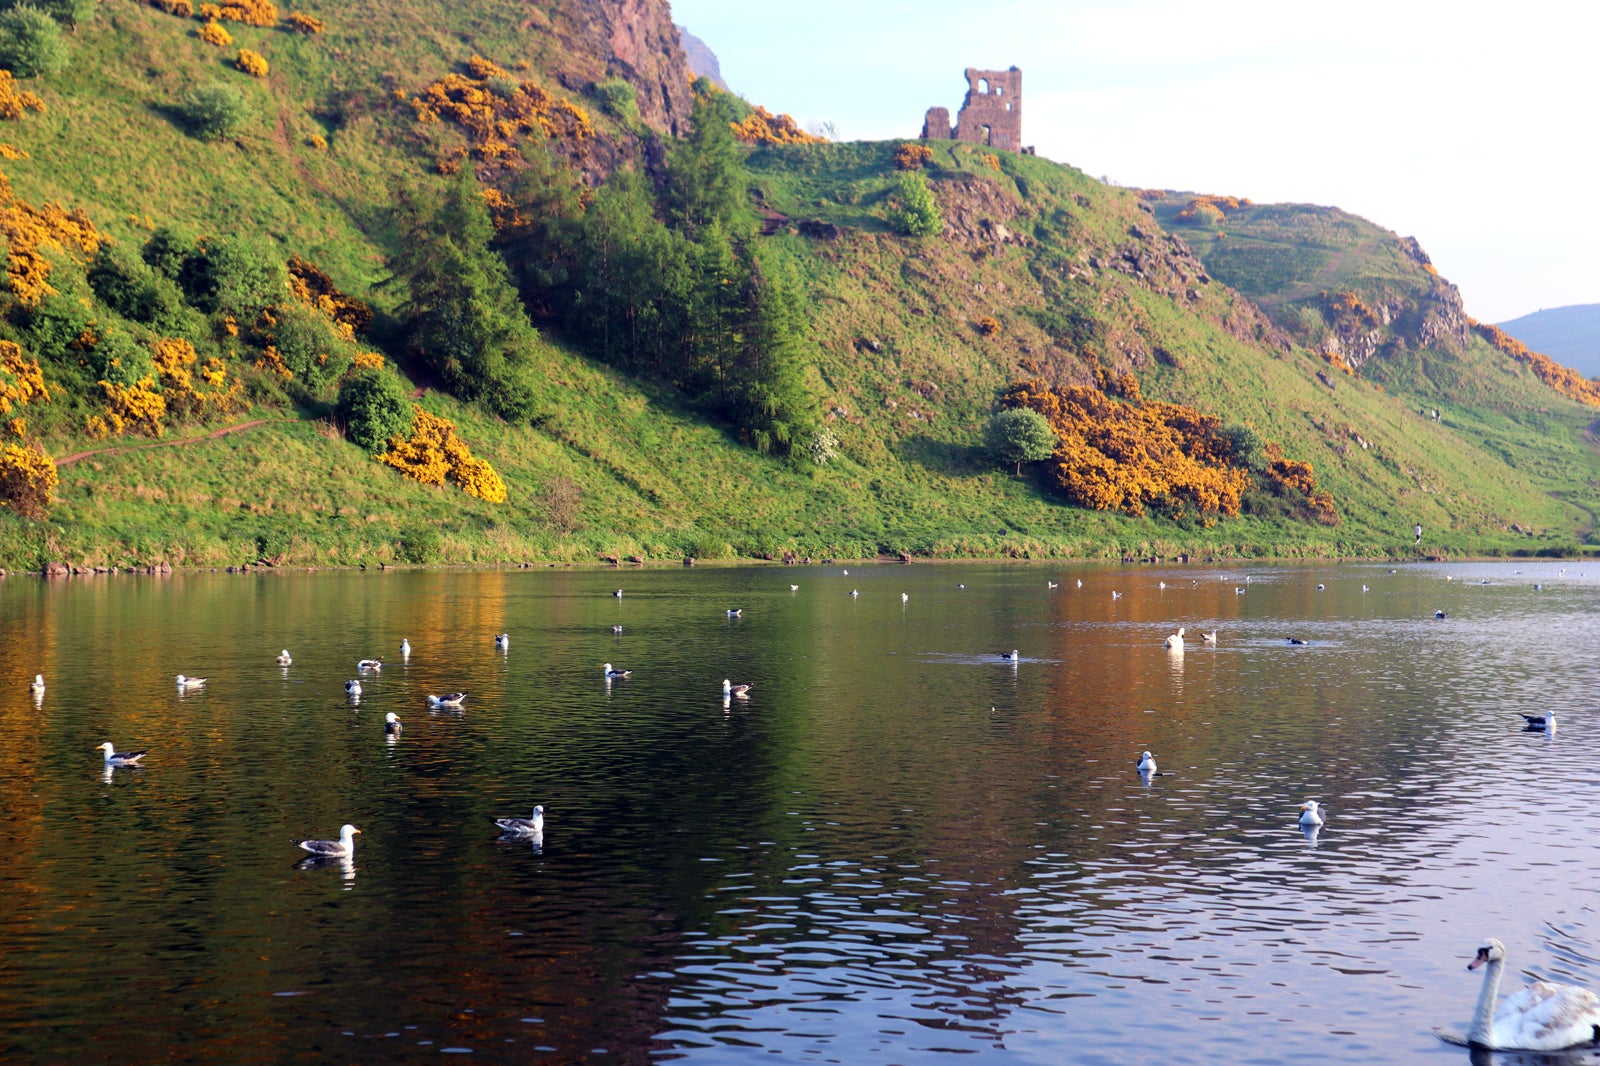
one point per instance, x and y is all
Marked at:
(735, 612)
(503, 641)
(125, 759)
(1209, 638)
(37, 688)
(1310, 813)
(740, 691)
(530, 826)
(1541, 721)
(1012, 655)
(191, 682)
(343, 848)
(353, 687)
(454, 699)
(284, 658)
(1175, 640)
(1050, 584)
(391, 723)
(904, 597)
(405, 648)
(1116, 595)
(617, 594)
(1147, 763)
(369, 664)
(1539, 1017)
(613, 674)
(853, 593)
(794, 588)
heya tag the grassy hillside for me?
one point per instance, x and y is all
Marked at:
(1041, 272)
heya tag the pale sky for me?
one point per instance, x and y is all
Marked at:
(1470, 126)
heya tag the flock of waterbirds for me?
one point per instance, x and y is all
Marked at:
(1541, 1016)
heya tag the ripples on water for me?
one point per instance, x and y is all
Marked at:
(898, 849)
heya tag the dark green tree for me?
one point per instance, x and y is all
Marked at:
(463, 318)
(771, 402)
(1020, 435)
(706, 179)
(30, 42)
(213, 111)
(374, 407)
(66, 12)
(238, 276)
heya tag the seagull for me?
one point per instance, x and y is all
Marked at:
(1012, 655)
(128, 758)
(353, 687)
(853, 593)
(284, 659)
(1161, 584)
(529, 826)
(1050, 584)
(1116, 595)
(1540, 721)
(391, 723)
(1321, 587)
(1080, 582)
(616, 629)
(369, 664)
(617, 594)
(1209, 638)
(614, 674)
(1147, 763)
(1175, 640)
(961, 584)
(1310, 813)
(740, 691)
(905, 597)
(1438, 614)
(1237, 591)
(453, 699)
(794, 588)
(847, 573)
(343, 848)
(37, 688)
(1297, 640)
(405, 648)
(1365, 589)
(735, 612)
(191, 682)
(503, 641)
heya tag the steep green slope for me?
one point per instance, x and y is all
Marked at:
(1040, 272)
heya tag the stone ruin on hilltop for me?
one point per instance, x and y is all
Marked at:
(991, 114)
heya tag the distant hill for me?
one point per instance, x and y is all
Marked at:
(1569, 335)
(702, 60)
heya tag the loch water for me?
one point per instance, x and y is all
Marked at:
(900, 848)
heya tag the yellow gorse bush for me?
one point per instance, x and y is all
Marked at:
(761, 126)
(433, 454)
(28, 479)
(249, 12)
(314, 287)
(174, 357)
(214, 34)
(15, 102)
(492, 119)
(21, 380)
(252, 63)
(367, 361)
(26, 229)
(130, 409)
(300, 22)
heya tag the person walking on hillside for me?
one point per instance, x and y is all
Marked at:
(1417, 529)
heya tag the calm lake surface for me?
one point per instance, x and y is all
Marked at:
(898, 849)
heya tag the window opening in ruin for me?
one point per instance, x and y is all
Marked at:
(983, 85)
(987, 133)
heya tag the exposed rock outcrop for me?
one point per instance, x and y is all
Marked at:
(634, 40)
(702, 60)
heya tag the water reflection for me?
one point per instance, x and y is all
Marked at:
(895, 851)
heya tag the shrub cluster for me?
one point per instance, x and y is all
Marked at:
(433, 454)
(1565, 380)
(912, 156)
(21, 380)
(15, 102)
(30, 42)
(252, 63)
(213, 111)
(28, 480)
(491, 118)
(214, 34)
(300, 22)
(28, 231)
(1210, 207)
(249, 12)
(761, 126)
(373, 407)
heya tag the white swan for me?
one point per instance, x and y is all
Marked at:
(1311, 813)
(1540, 1017)
(284, 658)
(1175, 641)
(343, 848)
(1147, 763)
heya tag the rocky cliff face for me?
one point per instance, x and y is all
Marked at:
(1364, 325)
(634, 40)
(702, 60)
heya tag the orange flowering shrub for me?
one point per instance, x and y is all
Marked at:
(300, 22)
(173, 359)
(251, 63)
(15, 102)
(433, 453)
(1211, 207)
(1126, 456)
(366, 361)
(990, 161)
(26, 229)
(1349, 307)
(17, 427)
(761, 126)
(988, 326)
(11, 151)
(272, 361)
(137, 408)
(249, 12)
(28, 480)
(21, 380)
(312, 286)
(214, 34)
(490, 118)
(318, 142)
(1565, 380)
(210, 12)
(912, 156)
